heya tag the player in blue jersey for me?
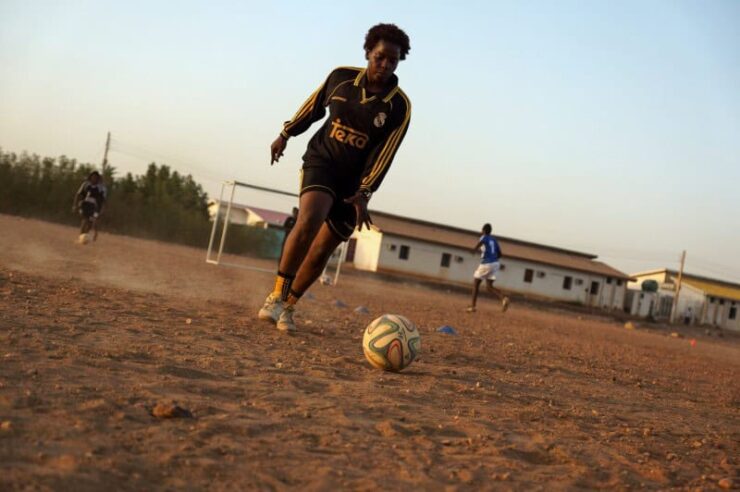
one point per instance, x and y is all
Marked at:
(489, 266)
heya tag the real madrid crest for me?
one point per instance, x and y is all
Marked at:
(380, 120)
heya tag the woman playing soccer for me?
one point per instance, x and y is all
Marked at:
(89, 201)
(344, 164)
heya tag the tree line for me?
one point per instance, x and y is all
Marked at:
(160, 204)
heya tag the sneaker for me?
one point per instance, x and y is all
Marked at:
(504, 304)
(470, 309)
(285, 321)
(272, 308)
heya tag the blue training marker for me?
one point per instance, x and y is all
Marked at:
(447, 329)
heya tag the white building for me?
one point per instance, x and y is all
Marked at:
(702, 300)
(248, 215)
(641, 303)
(437, 252)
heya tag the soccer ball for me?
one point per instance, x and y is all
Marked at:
(391, 342)
(84, 239)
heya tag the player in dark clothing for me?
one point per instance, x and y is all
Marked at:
(288, 225)
(346, 160)
(89, 201)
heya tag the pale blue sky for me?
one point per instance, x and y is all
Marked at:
(608, 127)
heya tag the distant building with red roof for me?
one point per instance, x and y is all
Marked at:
(249, 215)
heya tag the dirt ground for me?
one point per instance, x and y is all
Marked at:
(93, 337)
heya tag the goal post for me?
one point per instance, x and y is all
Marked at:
(338, 257)
(216, 216)
(266, 208)
(229, 188)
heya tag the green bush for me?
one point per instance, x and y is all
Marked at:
(161, 204)
(650, 285)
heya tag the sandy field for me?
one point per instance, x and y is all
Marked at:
(94, 338)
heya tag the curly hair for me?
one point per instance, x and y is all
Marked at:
(390, 33)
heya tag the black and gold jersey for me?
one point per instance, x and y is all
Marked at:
(92, 193)
(363, 131)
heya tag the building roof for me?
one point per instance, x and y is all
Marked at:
(710, 286)
(272, 217)
(512, 248)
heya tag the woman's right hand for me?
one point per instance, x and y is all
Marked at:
(277, 148)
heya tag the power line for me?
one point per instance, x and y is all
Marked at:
(632, 258)
(187, 168)
(667, 257)
(183, 165)
(722, 273)
(146, 153)
(711, 264)
(626, 252)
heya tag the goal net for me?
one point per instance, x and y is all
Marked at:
(248, 229)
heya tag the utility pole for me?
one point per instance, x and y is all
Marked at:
(105, 156)
(678, 288)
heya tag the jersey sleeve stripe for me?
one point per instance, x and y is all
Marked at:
(391, 94)
(390, 148)
(381, 163)
(381, 159)
(400, 129)
(310, 104)
(359, 76)
(307, 107)
(298, 116)
(386, 155)
(393, 142)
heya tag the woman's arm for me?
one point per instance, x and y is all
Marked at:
(312, 110)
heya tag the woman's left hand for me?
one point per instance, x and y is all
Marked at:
(360, 203)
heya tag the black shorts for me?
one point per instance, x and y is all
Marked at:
(342, 216)
(88, 209)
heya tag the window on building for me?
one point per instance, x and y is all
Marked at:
(721, 302)
(665, 305)
(567, 282)
(528, 275)
(404, 252)
(594, 288)
(733, 313)
(608, 280)
(619, 282)
(446, 257)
